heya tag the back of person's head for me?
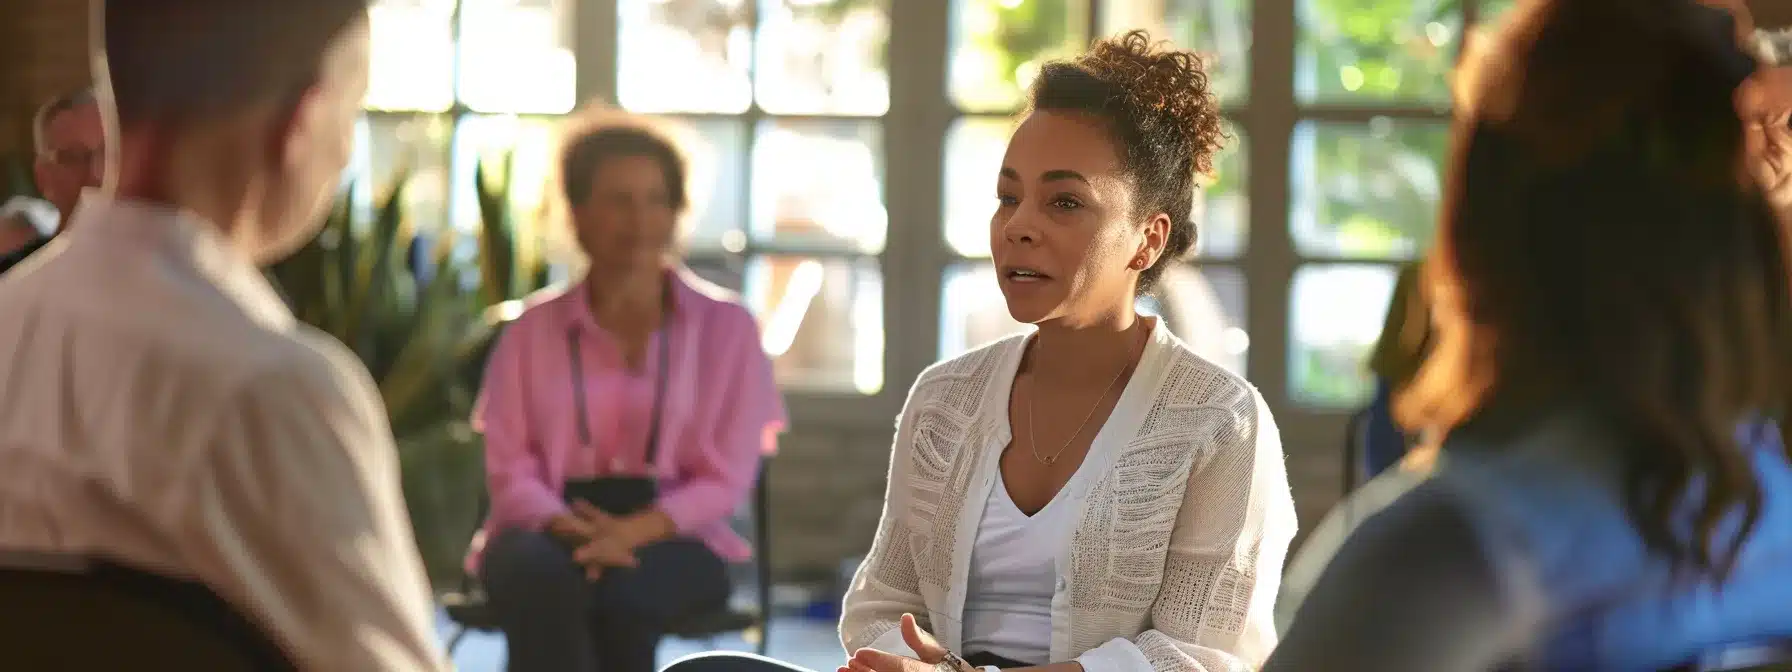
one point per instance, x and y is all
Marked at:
(258, 97)
(1603, 247)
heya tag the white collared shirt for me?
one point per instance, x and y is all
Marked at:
(161, 407)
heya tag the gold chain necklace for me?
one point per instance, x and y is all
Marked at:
(1033, 436)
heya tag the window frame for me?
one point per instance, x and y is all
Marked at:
(916, 255)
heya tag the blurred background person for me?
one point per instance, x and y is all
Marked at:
(1400, 349)
(160, 407)
(1389, 460)
(1766, 107)
(624, 419)
(1595, 507)
(69, 147)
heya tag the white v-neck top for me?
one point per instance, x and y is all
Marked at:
(1182, 518)
(1013, 575)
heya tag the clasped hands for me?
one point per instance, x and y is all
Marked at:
(602, 541)
(927, 649)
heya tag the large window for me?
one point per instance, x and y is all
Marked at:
(1337, 112)
(790, 96)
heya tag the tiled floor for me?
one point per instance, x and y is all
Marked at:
(806, 642)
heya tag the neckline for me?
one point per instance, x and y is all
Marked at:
(1008, 498)
(1126, 408)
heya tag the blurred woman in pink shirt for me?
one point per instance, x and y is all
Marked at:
(624, 421)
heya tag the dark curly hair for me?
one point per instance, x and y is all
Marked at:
(1163, 119)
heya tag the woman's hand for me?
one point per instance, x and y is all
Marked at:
(612, 540)
(928, 652)
(603, 553)
(570, 528)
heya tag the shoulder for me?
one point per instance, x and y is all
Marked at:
(1457, 610)
(309, 362)
(1194, 380)
(962, 379)
(717, 307)
(301, 374)
(540, 308)
(1190, 383)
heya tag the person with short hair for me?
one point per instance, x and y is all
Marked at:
(68, 144)
(161, 407)
(1765, 103)
(625, 418)
(69, 141)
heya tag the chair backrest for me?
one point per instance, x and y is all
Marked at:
(75, 614)
(1356, 438)
(1750, 657)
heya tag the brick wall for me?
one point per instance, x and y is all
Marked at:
(43, 52)
(827, 488)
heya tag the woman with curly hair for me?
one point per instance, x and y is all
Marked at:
(1092, 495)
(1611, 298)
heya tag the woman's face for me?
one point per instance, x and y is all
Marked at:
(1064, 239)
(627, 221)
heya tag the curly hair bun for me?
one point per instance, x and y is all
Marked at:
(1167, 87)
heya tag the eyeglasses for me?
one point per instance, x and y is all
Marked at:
(74, 157)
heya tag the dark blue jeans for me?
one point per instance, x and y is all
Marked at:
(729, 661)
(555, 620)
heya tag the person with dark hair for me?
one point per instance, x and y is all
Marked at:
(1092, 496)
(625, 418)
(1611, 301)
(161, 407)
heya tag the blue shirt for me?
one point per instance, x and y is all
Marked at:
(1524, 551)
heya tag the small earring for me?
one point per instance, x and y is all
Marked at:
(1137, 264)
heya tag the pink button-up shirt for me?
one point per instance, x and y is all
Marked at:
(722, 412)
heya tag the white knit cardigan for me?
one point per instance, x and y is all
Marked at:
(1180, 538)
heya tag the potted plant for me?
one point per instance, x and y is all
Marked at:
(423, 330)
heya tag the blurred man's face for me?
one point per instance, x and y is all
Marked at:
(73, 156)
(1766, 107)
(315, 148)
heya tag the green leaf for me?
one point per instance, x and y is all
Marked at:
(497, 243)
(374, 282)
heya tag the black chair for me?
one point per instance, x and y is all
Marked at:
(74, 614)
(1356, 439)
(469, 611)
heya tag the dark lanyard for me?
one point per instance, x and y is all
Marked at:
(659, 389)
